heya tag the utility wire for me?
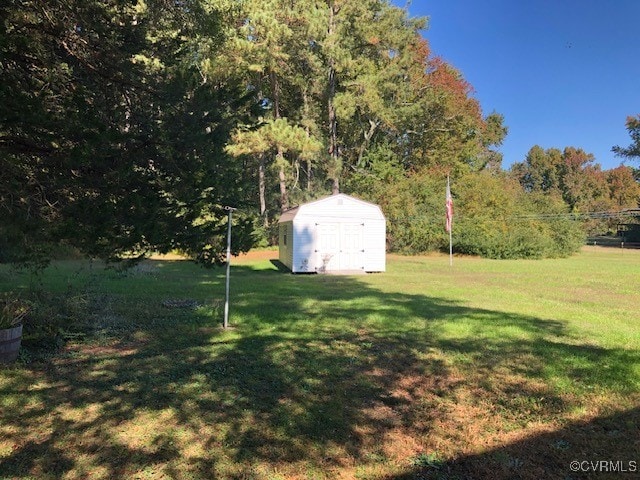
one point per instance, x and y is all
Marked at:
(436, 216)
(582, 215)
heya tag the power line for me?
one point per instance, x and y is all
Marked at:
(634, 212)
(603, 215)
(437, 216)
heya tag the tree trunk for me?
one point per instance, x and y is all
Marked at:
(262, 188)
(307, 116)
(367, 139)
(334, 152)
(284, 197)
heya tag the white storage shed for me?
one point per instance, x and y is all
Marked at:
(334, 234)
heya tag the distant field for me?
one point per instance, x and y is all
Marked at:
(487, 369)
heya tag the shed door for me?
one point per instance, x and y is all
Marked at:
(340, 246)
(328, 246)
(351, 254)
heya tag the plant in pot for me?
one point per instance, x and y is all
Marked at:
(12, 313)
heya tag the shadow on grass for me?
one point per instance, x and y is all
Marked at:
(281, 267)
(319, 374)
(602, 448)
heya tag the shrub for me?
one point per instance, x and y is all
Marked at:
(497, 219)
(494, 217)
(12, 311)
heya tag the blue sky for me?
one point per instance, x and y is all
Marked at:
(562, 72)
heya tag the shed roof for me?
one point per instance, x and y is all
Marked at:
(333, 200)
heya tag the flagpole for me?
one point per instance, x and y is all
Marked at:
(451, 247)
(449, 205)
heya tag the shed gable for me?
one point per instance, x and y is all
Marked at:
(340, 205)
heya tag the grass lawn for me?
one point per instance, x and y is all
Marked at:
(489, 369)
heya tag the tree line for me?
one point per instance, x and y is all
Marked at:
(127, 126)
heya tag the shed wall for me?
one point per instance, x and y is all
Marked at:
(285, 244)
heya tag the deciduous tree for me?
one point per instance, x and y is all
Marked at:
(624, 189)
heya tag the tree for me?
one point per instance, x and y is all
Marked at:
(447, 127)
(392, 95)
(633, 150)
(108, 134)
(624, 189)
(571, 172)
(375, 99)
(541, 170)
(267, 49)
(275, 136)
(582, 181)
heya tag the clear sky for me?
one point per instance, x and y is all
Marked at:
(562, 72)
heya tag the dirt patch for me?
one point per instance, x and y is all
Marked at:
(248, 256)
(258, 255)
(80, 351)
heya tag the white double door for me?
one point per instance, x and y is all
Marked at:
(340, 246)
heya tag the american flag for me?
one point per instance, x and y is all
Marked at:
(449, 204)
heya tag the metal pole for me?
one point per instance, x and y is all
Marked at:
(451, 247)
(449, 205)
(226, 299)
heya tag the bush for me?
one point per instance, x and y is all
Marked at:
(499, 220)
(54, 318)
(493, 216)
(414, 208)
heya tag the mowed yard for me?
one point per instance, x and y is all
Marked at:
(487, 369)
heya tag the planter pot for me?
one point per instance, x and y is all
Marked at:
(10, 339)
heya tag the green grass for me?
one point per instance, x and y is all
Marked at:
(488, 369)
